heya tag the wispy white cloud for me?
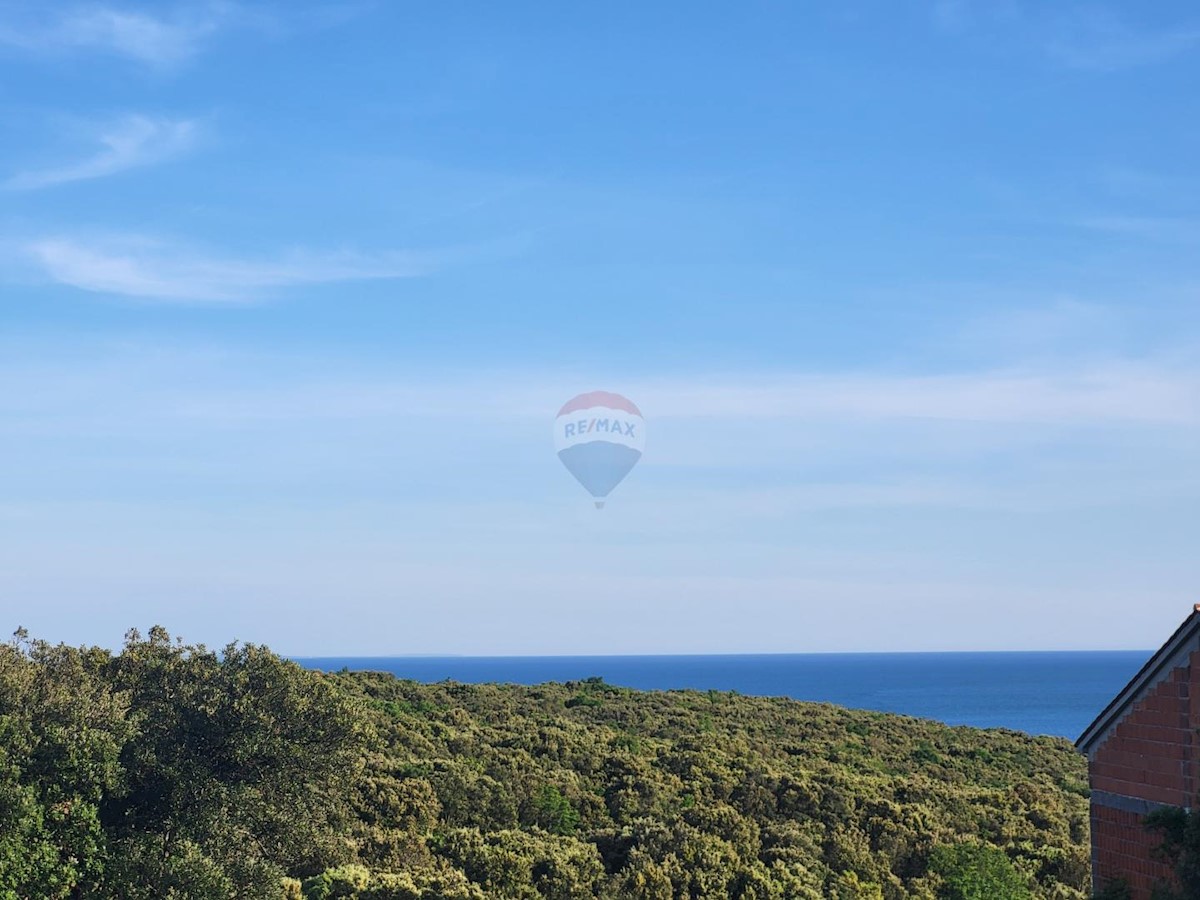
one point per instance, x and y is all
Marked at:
(1098, 40)
(1133, 183)
(1116, 393)
(131, 142)
(1077, 36)
(1057, 327)
(151, 38)
(1111, 393)
(959, 15)
(1136, 394)
(1171, 229)
(150, 269)
(130, 448)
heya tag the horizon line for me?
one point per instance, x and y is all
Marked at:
(694, 655)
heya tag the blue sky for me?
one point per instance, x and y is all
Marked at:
(909, 294)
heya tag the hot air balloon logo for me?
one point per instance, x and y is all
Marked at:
(600, 438)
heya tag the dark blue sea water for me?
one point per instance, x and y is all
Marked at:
(1040, 693)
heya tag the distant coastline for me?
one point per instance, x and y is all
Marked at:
(1038, 692)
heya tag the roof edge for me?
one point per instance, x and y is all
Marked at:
(1145, 676)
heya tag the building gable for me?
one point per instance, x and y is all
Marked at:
(1143, 752)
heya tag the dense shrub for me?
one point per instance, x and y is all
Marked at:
(173, 772)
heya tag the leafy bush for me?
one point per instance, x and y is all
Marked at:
(172, 772)
(1115, 889)
(1180, 834)
(977, 872)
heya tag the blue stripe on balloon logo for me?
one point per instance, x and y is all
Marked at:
(599, 438)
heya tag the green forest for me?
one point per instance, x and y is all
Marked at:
(176, 771)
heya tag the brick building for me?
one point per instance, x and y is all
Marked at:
(1143, 753)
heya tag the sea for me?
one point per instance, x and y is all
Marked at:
(1041, 693)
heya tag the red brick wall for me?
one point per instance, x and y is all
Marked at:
(1151, 755)
(1123, 848)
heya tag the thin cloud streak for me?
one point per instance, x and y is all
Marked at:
(1165, 229)
(152, 270)
(726, 455)
(1097, 41)
(1075, 37)
(154, 382)
(1116, 392)
(152, 40)
(132, 142)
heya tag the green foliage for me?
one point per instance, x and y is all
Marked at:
(61, 727)
(1180, 833)
(554, 812)
(335, 884)
(171, 771)
(1115, 889)
(711, 795)
(592, 692)
(977, 872)
(584, 699)
(848, 886)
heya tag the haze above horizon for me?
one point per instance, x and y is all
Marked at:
(909, 296)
